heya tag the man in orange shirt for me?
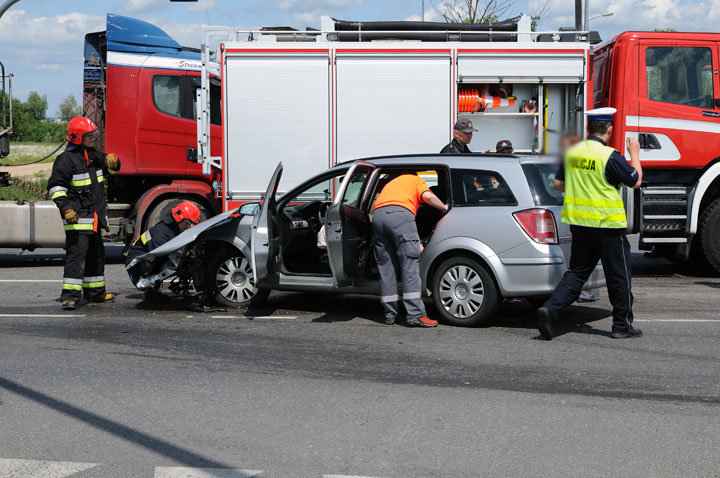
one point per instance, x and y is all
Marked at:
(397, 246)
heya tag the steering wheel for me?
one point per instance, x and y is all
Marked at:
(322, 210)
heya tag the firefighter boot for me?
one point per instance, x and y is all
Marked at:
(105, 298)
(69, 304)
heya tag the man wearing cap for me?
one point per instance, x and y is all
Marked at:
(591, 175)
(462, 135)
(504, 146)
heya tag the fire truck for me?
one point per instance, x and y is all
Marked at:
(666, 90)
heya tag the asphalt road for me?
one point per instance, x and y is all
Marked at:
(314, 386)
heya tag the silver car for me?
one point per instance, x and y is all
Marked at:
(501, 237)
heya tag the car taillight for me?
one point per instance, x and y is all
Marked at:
(539, 224)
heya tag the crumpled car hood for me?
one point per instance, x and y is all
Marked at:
(186, 237)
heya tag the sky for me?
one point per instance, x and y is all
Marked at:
(41, 41)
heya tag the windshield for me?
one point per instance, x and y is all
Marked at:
(540, 178)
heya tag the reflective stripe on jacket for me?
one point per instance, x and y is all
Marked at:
(589, 199)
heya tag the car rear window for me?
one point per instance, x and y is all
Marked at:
(540, 178)
(472, 187)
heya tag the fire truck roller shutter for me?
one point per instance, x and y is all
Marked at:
(277, 107)
(396, 103)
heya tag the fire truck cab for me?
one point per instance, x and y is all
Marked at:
(665, 87)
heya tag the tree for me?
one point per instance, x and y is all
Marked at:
(473, 11)
(69, 108)
(538, 15)
(665, 30)
(36, 105)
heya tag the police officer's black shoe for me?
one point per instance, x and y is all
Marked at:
(545, 323)
(631, 333)
(69, 304)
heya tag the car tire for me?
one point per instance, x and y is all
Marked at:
(709, 234)
(464, 292)
(229, 281)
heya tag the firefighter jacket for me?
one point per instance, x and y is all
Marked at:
(151, 239)
(78, 182)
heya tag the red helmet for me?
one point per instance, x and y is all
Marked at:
(78, 127)
(186, 210)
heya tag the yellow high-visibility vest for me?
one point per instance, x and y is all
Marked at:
(589, 199)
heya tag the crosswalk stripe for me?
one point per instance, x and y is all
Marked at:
(189, 472)
(13, 468)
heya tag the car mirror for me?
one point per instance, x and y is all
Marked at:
(250, 209)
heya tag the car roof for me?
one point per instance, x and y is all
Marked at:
(455, 161)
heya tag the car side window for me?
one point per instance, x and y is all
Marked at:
(473, 187)
(166, 94)
(680, 75)
(355, 187)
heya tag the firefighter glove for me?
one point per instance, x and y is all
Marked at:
(112, 161)
(71, 216)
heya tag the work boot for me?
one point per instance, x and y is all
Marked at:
(390, 319)
(69, 304)
(106, 298)
(631, 333)
(545, 323)
(423, 321)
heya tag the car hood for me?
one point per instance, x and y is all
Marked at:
(189, 236)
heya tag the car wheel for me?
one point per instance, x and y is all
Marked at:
(464, 292)
(230, 282)
(709, 232)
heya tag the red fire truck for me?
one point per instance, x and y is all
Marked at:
(666, 90)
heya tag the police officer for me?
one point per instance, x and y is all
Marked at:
(77, 185)
(591, 176)
(181, 218)
(462, 135)
(397, 246)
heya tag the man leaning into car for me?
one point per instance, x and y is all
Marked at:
(397, 246)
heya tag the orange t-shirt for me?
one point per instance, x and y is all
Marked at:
(405, 191)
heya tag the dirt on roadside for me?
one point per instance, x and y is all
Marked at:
(31, 171)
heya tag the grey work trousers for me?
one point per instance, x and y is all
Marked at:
(397, 251)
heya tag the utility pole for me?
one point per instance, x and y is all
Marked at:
(587, 22)
(422, 11)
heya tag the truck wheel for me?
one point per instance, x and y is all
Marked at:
(464, 293)
(709, 233)
(163, 208)
(229, 281)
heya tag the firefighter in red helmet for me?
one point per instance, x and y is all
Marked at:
(181, 217)
(77, 185)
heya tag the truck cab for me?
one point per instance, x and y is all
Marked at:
(665, 87)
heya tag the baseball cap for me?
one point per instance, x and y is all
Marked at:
(502, 145)
(464, 125)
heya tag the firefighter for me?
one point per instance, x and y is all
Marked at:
(181, 218)
(77, 185)
(397, 246)
(591, 176)
(462, 135)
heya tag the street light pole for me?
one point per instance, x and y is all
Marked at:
(422, 12)
(587, 21)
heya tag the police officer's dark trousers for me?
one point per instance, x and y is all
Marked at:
(84, 266)
(397, 251)
(590, 244)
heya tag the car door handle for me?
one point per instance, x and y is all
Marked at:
(648, 141)
(339, 229)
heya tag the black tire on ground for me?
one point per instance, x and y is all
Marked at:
(464, 292)
(162, 209)
(229, 281)
(709, 233)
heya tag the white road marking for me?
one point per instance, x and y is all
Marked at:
(30, 280)
(188, 472)
(253, 317)
(345, 476)
(676, 320)
(10, 468)
(42, 315)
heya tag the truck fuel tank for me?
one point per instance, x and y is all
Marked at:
(30, 224)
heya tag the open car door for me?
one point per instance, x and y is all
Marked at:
(348, 226)
(264, 238)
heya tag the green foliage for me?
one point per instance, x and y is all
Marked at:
(665, 30)
(29, 122)
(69, 108)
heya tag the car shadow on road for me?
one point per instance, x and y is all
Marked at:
(576, 319)
(334, 308)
